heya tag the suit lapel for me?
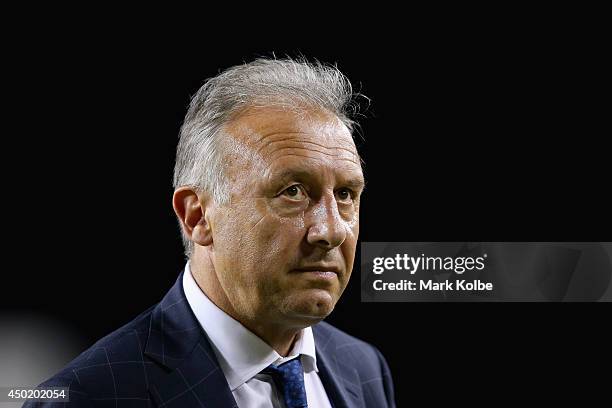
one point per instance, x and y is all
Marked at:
(341, 381)
(176, 340)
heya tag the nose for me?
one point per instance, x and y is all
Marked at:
(327, 230)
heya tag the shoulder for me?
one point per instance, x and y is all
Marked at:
(357, 356)
(365, 357)
(116, 359)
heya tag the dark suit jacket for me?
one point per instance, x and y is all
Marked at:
(163, 358)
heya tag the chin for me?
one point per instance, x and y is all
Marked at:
(311, 307)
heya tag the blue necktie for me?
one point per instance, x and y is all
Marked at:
(289, 378)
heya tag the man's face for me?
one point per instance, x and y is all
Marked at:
(283, 248)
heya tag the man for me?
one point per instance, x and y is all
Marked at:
(267, 185)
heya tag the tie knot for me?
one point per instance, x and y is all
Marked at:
(289, 378)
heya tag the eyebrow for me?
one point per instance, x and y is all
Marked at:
(355, 183)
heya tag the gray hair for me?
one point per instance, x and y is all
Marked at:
(286, 83)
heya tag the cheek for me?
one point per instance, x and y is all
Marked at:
(272, 238)
(352, 230)
(349, 246)
(278, 239)
(354, 226)
(275, 224)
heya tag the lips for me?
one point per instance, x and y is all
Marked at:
(319, 268)
(319, 272)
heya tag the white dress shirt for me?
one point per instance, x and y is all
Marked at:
(242, 355)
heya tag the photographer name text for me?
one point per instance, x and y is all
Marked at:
(431, 285)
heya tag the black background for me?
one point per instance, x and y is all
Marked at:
(475, 133)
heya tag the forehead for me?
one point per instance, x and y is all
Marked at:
(278, 140)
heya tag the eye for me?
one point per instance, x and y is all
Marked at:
(345, 194)
(295, 192)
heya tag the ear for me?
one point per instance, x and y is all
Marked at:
(191, 212)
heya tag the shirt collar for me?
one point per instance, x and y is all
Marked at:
(240, 352)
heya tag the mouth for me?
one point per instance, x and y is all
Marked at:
(319, 271)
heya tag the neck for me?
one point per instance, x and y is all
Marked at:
(278, 336)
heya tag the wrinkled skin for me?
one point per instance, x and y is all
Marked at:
(295, 183)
